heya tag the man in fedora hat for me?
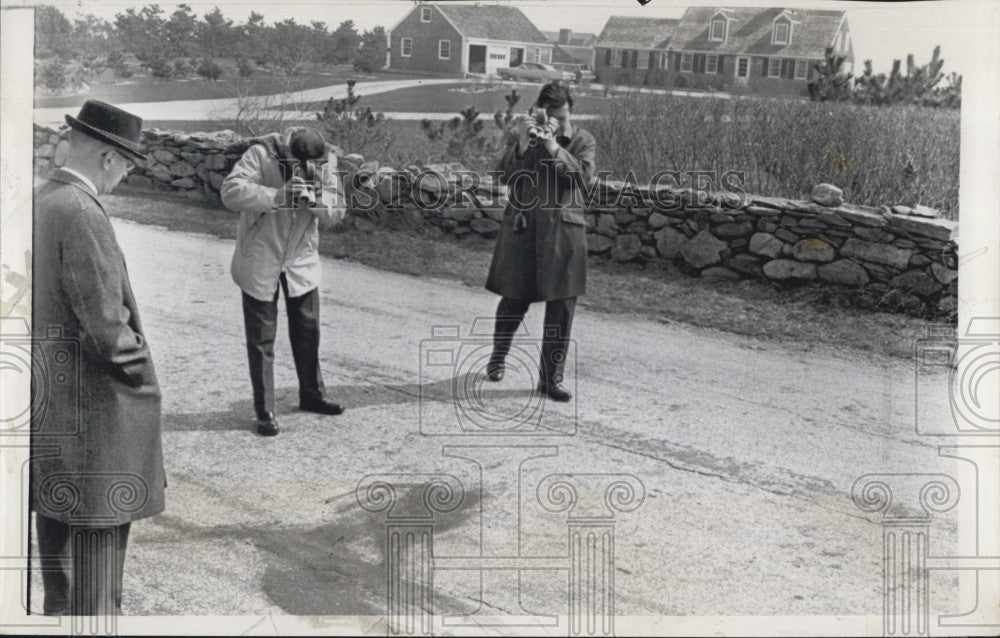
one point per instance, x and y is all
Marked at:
(277, 247)
(97, 462)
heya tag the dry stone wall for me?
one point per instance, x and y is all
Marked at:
(903, 258)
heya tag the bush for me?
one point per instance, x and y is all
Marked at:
(53, 75)
(159, 67)
(244, 67)
(355, 129)
(877, 155)
(208, 69)
(182, 68)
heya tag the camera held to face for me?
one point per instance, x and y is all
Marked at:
(542, 127)
(304, 182)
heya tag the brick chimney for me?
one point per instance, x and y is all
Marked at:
(564, 35)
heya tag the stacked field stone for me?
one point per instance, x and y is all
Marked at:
(905, 257)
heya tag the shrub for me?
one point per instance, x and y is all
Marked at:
(53, 75)
(209, 70)
(354, 129)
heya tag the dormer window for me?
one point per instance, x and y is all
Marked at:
(782, 33)
(718, 32)
(425, 14)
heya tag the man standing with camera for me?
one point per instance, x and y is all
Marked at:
(541, 253)
(283, 196)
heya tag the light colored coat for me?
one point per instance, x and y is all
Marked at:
(95, 441)
(272, 240)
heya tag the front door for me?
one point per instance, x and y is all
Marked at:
(477, 58)
(742, 69)
(516, 56)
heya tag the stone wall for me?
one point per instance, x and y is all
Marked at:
(901, 258)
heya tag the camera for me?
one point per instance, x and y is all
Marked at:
(305, 196)
(541, 126)
(956, 380)
(51, 363)
(456, 398)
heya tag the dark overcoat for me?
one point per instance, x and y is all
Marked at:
(95, 442)
(541, 252)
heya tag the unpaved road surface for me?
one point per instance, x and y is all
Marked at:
(746, 452)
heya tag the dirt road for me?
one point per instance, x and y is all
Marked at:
(746, 451)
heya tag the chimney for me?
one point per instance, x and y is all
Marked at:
(564, 35)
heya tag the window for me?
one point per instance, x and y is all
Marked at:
(444, 49)
(718, 33)
(781, 32)
(547, 56)
(616, 57)
(425, 14)
(664, 60)
(801, 69)
(607, 57)
(406, 47)
(687, 62)
(774, 68)
(538, 55)
(742, 67)
(712, 64)
(642, 62)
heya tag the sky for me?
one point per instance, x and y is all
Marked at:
(881, 31)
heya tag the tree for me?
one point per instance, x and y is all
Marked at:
(53, 75)
(291, 47)
(370, 56)
(345, 42)
(216, 35)
(52, 33)
(180, 31)
(831, 82)
(254, 39)
(919, 85)
(352, 128)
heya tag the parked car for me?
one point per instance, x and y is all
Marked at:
(534, 71)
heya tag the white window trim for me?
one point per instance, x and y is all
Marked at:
(773, 67)
(687, 62)
(788, 33)
(736, 70)
(712, 68)
(402, 47)
(642, 61)
(711, 30)
(538, 55)
(805, 69)
(429, 13)
(664, 60)
(616, 57)
(444, 57)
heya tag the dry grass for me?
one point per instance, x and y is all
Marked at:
(877, 155)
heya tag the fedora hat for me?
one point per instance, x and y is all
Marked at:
(111, 125)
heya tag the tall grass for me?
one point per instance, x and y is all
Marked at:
(878, 155)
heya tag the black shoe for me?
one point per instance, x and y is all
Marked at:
(321, 406)
(555, 391)
(494, 370)
(266, 424)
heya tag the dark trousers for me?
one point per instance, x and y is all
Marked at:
(260, 319)
(81, 567)
(555, 333)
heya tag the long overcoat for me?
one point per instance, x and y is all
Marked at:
(541, 251)
(95, 442)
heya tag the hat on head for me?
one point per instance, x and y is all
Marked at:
(306, 144)
(111, 125)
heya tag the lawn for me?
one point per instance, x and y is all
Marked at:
(144, 88)
(485, 98)
(805, 318)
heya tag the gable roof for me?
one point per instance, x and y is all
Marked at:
(575, 39)
(750, 31)
(636, 33)
(492, 22)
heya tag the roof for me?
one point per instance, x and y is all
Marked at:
(636, 33)
(750, 31)
(560, 56)
(575, 39)
(493, 22)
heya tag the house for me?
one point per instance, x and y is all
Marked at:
(753, 50)
(460, 39)
(572, 51)
(633, 50)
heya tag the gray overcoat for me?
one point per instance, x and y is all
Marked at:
(95, 443)
(545, 257)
